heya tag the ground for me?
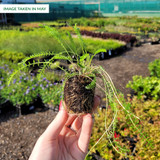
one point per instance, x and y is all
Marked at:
(19, 134)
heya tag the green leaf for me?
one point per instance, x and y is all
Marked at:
(77, 31)
(55, 65)
(82, 58)
(72, 42)
(92, 84)
(62, 57)
(100, 50)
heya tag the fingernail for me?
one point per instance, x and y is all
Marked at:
(89, 115)
(61, 106)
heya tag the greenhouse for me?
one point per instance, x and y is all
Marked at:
(108, 6)
(89, 8)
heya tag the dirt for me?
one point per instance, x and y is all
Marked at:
(19, 134)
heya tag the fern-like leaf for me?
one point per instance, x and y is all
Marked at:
(92, 84)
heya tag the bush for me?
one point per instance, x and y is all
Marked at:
(92, 45)
(38, 41)
(149, 113)
(142, 145)
(11, 56)
(148, 86)
(126, 38)
(24, 89)
(154, 68)
(28, 43)
(71, 29)
(51, 95)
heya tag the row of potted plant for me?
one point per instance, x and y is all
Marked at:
(126, 38)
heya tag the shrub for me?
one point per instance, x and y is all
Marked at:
(154, 68)
(51, 93)
(126, 38)
(148, 86)
(70, 29)
(11, 56)
(149, 113)
(37, 41)
(93, 45)
(25, 88)
(28, 43)
(142, 146)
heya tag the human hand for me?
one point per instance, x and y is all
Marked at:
(66, 138)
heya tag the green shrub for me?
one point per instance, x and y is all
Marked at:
(11, 56)
(154, 68)
(148, 86)
(149, 112)
(28, 43)
(146, 144)
(25, 88)
(101, 23)
(52, 94)
(93, 45)
(16, 44)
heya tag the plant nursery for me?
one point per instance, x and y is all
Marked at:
(108, 48)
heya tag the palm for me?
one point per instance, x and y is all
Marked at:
(68, 148)
(71, 143)
(66, 138)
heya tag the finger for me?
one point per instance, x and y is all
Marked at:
(85, 133)
(76, 125)
(67, 129)
(97, 101)
(56, 126)
(71, 119)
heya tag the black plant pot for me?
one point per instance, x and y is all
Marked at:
(102, 56)
(6, 107)
(155, 42)
(36, 106)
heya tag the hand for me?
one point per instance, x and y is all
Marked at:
(66, 138)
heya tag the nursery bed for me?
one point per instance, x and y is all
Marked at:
(19, 134)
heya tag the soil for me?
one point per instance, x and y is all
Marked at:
(77, 98)
(19, 134)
